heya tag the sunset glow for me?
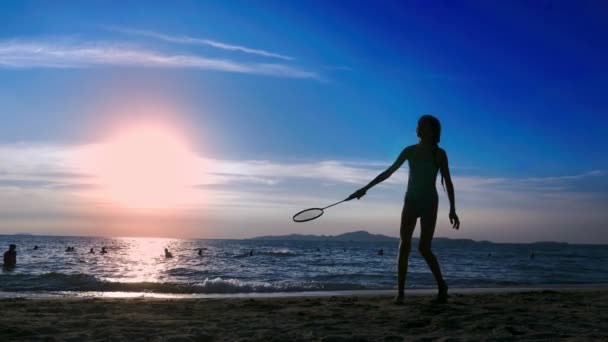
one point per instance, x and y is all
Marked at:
(147, 166)
(219, 119)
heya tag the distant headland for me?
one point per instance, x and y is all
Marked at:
(352, 236)
(364, 236)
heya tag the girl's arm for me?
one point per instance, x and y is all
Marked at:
(445, 172)
(383, 176)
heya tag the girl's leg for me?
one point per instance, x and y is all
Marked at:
(408, 223)
(427, 230)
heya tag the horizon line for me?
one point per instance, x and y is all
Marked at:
(254, 237)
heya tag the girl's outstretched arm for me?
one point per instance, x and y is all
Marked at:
(445, 172)
(383, 176)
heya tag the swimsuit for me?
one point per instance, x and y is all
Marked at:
(421, 195)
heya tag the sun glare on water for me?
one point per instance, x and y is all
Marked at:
(146, 166)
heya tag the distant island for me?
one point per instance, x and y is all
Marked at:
(364, 236)
(358, 236)
(352, 236)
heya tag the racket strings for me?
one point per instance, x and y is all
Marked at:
(308, 214)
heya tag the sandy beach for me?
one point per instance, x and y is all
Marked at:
(539, 315)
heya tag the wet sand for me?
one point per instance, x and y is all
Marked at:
(539, 315)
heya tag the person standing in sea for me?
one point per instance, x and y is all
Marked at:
(10, 256)
(425, 160)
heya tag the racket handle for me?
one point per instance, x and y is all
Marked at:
(329, 206)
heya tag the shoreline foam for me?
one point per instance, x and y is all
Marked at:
(320, 293)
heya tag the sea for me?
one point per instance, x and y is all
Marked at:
(138, 266)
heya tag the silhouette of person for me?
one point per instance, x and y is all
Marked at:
(92, 251)
(251, 252)
(10, 256)
(381, 252)
(532, 256)
(200, 252)
(168, 254)
(425, 160)
(103, 250)
(36, 247)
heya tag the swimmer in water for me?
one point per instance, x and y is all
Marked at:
(10, 256)
(92, 251)
(200, 252)
(425, 160)
(103, 250)
(168, 254)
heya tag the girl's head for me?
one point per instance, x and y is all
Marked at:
(429, 129)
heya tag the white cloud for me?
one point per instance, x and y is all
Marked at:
(265, 194)
(22, 161)
(57, 164)
(326, 171)
(26, 162)
(205, 42)
(62, 54)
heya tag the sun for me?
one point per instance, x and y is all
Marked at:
(146, 166)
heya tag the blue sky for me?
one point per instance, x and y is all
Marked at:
(296, 104)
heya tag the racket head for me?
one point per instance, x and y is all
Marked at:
(308, 215)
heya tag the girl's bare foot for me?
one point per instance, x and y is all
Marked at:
(442, 293)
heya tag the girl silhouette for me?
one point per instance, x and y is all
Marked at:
(425, 159)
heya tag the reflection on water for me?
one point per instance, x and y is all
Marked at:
(231, 266)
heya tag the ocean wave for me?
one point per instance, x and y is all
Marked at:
(184, 272)
(276, 253)
(272, 253)
(83, 282)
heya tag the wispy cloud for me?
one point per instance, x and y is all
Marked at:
(60, 54)
(204, 42)
(41, 185)
(325, 171)
(27, 162)
(527, 184)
